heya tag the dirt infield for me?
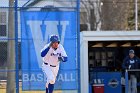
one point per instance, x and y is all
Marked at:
(4, 91)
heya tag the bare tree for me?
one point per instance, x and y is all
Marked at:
(115, 14)
(96, 8)
(106, 14)
(11, 50)
(93, 13)
(86, 8)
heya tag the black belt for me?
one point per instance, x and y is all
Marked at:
(50, 65)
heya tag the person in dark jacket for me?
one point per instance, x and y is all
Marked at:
(132, 62)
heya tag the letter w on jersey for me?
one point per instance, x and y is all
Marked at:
(40, 38)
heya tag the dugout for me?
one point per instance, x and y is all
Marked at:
(102, 53)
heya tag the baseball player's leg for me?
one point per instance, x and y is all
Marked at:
(51, 87)
(55, 71)
(48, 73)
(46, 90)
(129, 85)
(51, 73)
(50, 82)
(134, 84)
(53, 78)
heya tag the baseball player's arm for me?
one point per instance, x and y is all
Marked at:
(63, 59)
(63, 56)
(125, 64)
(45, 50)
(138, 62)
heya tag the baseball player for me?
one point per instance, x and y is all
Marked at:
(52, 54)
(132, 62)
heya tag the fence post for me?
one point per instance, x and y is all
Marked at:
(78, 44)
(126, 81)
(16, 47)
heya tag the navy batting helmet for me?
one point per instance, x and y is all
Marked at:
(54, 38)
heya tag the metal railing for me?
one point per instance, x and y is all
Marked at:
(127, 78)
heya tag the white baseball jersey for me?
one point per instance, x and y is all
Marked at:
(52, 56)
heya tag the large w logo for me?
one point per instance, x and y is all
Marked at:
(40, 38)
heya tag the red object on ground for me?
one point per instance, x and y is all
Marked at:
(98, 88)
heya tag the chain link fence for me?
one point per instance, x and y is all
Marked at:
(8, 49)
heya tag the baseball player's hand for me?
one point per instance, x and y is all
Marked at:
(50, 44)
(60, 58)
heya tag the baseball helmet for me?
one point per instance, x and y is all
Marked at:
(54, 38)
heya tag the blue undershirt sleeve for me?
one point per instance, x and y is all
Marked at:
(65, 59)
(44, 51)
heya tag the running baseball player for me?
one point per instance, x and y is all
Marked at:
(52, 54)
